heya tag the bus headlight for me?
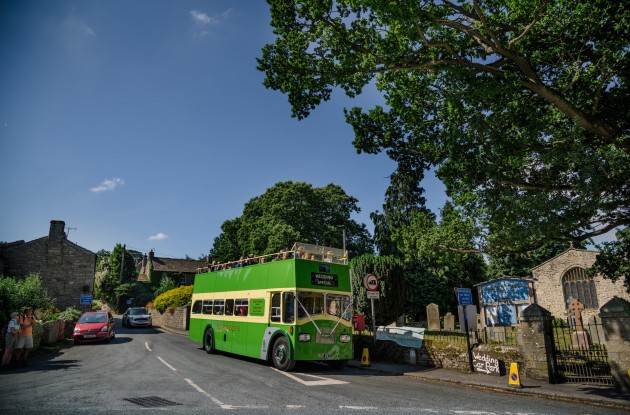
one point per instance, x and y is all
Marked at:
(304, 337)
(345, 338)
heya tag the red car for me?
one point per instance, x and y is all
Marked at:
(95, 326)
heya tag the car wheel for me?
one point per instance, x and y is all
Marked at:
(281, 355)
(208, 341)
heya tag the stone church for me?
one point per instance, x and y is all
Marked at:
(564, 278)
(66, 269)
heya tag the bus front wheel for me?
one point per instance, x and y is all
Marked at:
(281, 355)
(208, 341)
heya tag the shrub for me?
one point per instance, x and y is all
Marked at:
(45, 314)
(97, 305)
(176, 297)
(70, 314)
(16, 294)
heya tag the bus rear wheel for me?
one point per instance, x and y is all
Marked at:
(208, 341)
(281, 355)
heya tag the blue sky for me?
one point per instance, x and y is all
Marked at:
(146, 123)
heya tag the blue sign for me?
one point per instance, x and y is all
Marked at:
(505, 291)
(86, 298)
(464, 296)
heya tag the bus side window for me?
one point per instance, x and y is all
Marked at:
(196, 309)
(207, 307)
(241, 307)
(289, 308)
(229, 307)
(275, 307)
(218, 307)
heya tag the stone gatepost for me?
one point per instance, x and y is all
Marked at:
(536, 339)
(615, 315)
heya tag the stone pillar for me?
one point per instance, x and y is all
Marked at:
(536, 339)
(615, 315)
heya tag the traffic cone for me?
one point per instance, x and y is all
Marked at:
(365, 358)
(514, 379)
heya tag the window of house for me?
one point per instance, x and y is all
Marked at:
(182, 279)
(576, 284)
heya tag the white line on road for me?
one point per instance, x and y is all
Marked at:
(218, 402)
(167, 365)
(295, 406)
(147, 346)
(322, 382)
(359, 408)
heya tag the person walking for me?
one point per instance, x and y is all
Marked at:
(13, 330)
(25, 338)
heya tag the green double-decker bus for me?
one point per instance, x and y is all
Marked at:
(286, 307)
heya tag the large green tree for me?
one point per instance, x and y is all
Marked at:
(291, 212)
(521, 106)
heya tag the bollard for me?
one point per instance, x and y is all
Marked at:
(365, 358)
(514, 379)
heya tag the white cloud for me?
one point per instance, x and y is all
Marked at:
(108, 185)
(158, 237)
(203, 20)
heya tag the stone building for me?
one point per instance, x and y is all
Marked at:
(563, 278)
(153, 268)
(66, 269)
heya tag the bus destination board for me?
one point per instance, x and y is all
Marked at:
(324, 280)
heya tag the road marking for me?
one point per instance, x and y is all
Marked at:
(218, 402)
(474, 412)
(146, 344)
(321, 382)
(295, 406)
(167, 365)
(359, 408)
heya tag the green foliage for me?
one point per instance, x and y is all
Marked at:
(115, 261)
(176, 297)
(104, 287)
(519, 106)
(292, 212)
(613, 260)
(70, 314)
(392, 287)
(45, 314)
(166, 284)
(96, 305)
(16, 294)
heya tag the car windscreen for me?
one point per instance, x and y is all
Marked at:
(137, 311)
(93, 318)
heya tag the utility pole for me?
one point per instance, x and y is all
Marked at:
(122, 263)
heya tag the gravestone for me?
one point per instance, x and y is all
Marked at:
(433, 316)
(449, 322)
(579, 338)
(596, 330)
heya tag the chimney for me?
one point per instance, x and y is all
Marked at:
(151, 255)
(57, 233)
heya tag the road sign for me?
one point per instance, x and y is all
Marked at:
(373, 295)
(464, 296)
(86, 299)
(371, 282)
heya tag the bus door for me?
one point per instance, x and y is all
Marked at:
(282, 308)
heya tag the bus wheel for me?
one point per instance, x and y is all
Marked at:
(208, 341)
(281, 355)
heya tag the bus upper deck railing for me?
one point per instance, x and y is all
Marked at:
(298, 251)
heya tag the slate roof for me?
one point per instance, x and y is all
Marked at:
(177, 265)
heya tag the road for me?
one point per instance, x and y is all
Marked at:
(172, 374)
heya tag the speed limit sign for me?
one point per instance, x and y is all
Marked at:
(371, 282)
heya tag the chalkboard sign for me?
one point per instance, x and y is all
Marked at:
(485, 363)
(324, 280)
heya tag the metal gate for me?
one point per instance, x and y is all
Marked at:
(580, 353)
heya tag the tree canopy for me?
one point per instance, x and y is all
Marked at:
(520, 106)
(290, 212)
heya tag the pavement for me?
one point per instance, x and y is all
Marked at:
(570, 392)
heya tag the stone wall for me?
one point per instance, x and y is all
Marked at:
(63, 266)
(548, 282)
(174, 317)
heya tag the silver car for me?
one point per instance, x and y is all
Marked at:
(136, 317)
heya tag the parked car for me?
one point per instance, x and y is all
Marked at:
(95, 326)
(137, 317)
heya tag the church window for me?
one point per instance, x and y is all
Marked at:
(576, 284)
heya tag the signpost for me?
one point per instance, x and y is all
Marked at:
(85, 301)
(371, 283)
(464, 298)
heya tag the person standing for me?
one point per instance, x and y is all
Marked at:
(25, 338)
(13, 330)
